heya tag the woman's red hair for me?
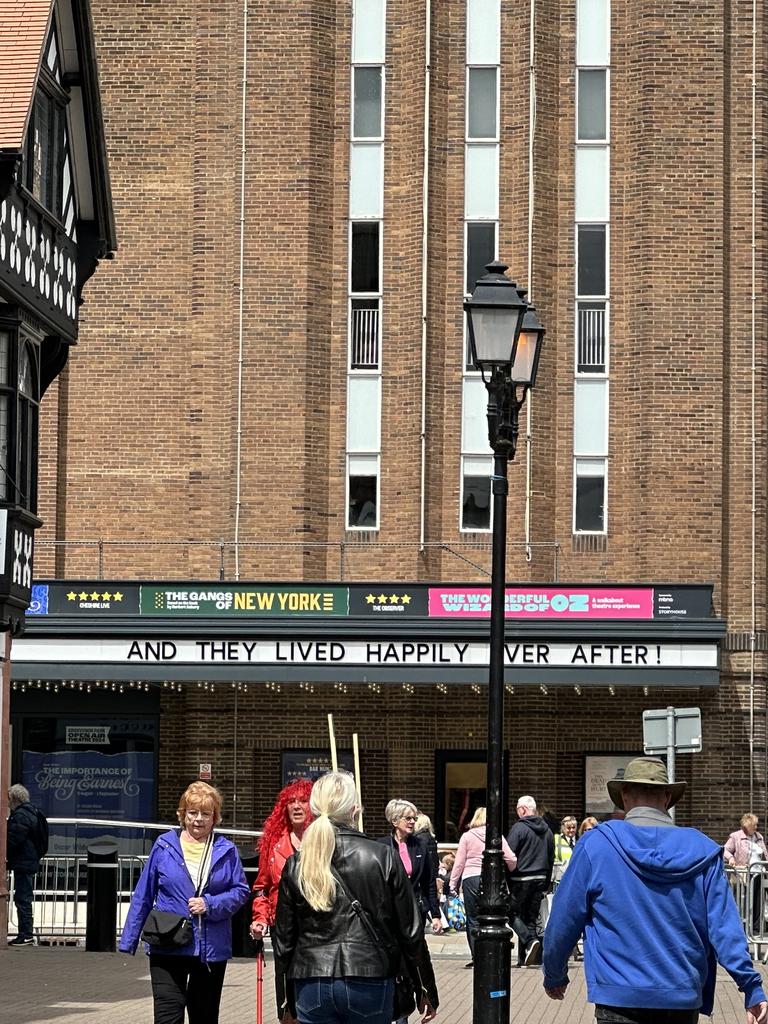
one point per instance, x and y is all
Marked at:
(277, 822)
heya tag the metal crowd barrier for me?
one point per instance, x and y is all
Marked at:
(59, 906)
(749, 886)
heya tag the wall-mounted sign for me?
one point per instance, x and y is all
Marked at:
(311, 764)
(390, 600)
(545, 602)
(186, 599)
(87, 735)
(205, 773)
(91, 784)
(375, 651)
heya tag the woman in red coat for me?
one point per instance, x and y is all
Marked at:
(283, 832)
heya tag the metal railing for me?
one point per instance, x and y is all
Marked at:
(591, 337)
(365, 334)
(61, 885)
(749, 886)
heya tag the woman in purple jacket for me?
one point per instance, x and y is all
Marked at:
(180, 865)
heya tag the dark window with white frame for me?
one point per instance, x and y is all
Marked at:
(367, 102)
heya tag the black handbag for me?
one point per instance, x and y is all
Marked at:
(165, 930)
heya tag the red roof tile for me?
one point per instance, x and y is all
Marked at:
(23, 29)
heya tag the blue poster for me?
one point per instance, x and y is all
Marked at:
(91, 784)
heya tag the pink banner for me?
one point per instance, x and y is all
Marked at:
(545, 602)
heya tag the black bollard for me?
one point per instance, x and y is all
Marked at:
(242, 943)
(101, 914)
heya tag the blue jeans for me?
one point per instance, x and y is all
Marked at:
(23, 891)
(344, 1000)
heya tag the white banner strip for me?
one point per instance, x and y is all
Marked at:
(361, 652)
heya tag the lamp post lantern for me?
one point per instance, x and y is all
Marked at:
(505, 339)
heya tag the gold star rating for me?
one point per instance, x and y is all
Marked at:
(106, 597)
(382, 598)
(71, 596)
(406, 599)
(83, 596)
(370, 599)
(95, 595)
(117, 596)
(394, 599)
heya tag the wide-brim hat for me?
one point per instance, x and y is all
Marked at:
(645, 771)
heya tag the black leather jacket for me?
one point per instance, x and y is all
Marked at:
(336, 944)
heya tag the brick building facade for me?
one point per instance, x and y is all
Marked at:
(204, 422)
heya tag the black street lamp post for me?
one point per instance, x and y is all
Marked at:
(505, 340)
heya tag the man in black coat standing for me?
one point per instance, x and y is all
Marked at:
(25, 843)
(533, 845)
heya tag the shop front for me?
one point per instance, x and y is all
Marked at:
(160, 680)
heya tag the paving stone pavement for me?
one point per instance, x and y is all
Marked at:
(66, 985)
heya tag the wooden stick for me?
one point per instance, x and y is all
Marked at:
(334, 759)
(356, 755)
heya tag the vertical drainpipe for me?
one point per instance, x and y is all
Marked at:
(531, 184)
(239, 414)
(424, 256)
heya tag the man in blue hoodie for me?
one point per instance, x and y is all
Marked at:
(656, 911)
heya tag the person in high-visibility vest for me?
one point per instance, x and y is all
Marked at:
(565, 840)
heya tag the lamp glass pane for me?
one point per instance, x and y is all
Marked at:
(494, 333)
(524, 357)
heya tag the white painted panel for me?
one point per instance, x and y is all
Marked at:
(368, 32)
(593, 27)
(477, 465)
(481, 183)
(592, 183)
(483, 31)
(590, 417)
(363, 414)
(474, 424)
(363, 465)
(366, 181)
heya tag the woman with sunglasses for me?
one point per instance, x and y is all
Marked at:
(414, 853)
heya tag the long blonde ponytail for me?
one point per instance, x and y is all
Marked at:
(333, 800)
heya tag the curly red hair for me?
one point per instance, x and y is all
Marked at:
(277, 822)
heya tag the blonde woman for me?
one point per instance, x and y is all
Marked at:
(467, 868)
(347, 921)
(194, 874)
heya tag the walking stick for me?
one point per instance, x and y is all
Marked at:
(259, 981)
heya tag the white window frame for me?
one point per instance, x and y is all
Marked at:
(594, 142)
(367, 138)
(590, 533)
(462, 527)
(471, 140)
(347, 477)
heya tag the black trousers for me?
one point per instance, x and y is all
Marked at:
(185, 982)
(526, 897)
(637, 1015)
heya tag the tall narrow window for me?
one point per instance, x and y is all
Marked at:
(592, 187)
(366, 212)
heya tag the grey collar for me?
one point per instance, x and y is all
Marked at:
(649, 816)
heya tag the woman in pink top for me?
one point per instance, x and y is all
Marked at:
(466, 870)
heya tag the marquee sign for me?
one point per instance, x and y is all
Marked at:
(374, 651)
(556, 602)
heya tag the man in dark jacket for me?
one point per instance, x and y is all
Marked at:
(23, 858)
(533, 845)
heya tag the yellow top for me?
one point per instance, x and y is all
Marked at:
(193, 856)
